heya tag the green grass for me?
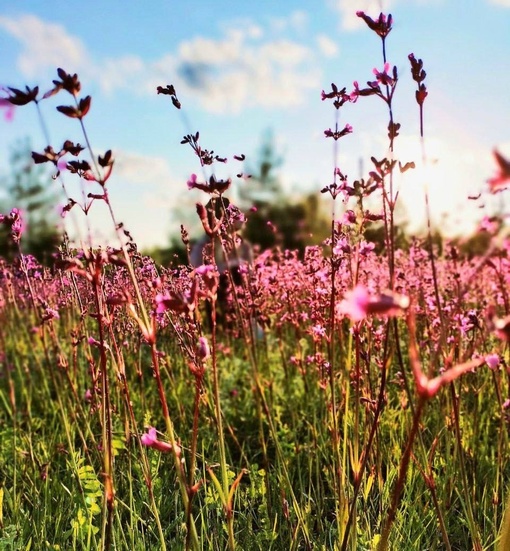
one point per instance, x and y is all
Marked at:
(51, 456)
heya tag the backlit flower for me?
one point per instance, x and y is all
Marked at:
(150, 439)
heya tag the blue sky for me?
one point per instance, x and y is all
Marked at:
(241, 68)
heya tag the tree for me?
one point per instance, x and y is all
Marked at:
(28, 187)
(264, 185)
(275, 219)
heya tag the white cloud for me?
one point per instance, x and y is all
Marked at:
(142, 169)
(503, 3)
(348, 18)
(118, 73)
(228, 74)
(349, 21)
(45, 45)
(296, 21)
(327, 46)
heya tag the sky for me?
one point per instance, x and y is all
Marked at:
(242, 69)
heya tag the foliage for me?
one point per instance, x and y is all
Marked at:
(29, 188)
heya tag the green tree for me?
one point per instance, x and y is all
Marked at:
(289, 223)
(29, 187)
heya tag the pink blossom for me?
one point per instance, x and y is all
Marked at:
(9, 109)
(192, 182)
(358, 303)
(203, 348)
(349, 217)
(150, 439)
(354, 95)
(383, 77)
(488, 224)
(365, 248)
(381, 25)
(355, 303)
(14, 222)
(501, 180)
(318, 331)
(492, 360)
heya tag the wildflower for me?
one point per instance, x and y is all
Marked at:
(9, 109)
(349, 217)
(337, 134)
(50, 314)
(501, 180)
(203, 349)
(489, 224)
(19, 98)
(192, 182)
(419, 76)
(342, 246)
(499, 326)
(492, 360)
(214, 186)
(383, 77)
(150, 439)
(14, 222)
(210, 277)
(355, 303)
(358, 303)
(366, 247)
(318, 331)
(381, 26)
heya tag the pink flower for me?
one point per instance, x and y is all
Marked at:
(9, 109)
(192, 182)
(492, 360)
(15, 223)
(203, 349)
(355, 303)
(337, 134)
(381, 25)
(501, 180)
(366, 247)
(383, 77)
(358, 303)
(150, 439)
(349, 217)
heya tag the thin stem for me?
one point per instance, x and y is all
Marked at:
(399, 486)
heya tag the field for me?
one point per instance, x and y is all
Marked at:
(351, 397)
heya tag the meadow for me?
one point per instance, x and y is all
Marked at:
(346, 398)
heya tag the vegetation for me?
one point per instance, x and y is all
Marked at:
(337, 396)
(28, 188)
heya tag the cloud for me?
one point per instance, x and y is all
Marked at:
(349, 21)
(327, 46)
(143, 169)
(503, 3)
(296, 21)
(226, 75)
(240, 71)
(44, 45)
